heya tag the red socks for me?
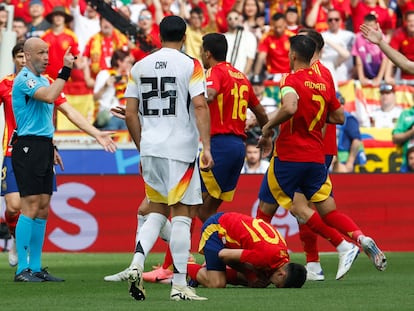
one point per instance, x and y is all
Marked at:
(260, 215)
(231, 276)
(309, 243)
(192, 269)
(343, 223)
(11, 221)
(317, 225)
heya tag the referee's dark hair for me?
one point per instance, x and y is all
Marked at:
(216, 44)
(172, 29)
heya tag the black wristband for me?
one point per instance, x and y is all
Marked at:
(64, 73)
(56, 148)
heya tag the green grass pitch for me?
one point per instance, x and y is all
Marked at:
(364, 288)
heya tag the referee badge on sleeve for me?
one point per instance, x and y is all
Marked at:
(31, 83)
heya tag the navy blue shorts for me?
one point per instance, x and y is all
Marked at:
(8, 180)
(211, 244)
(228, 152)
(283, 179)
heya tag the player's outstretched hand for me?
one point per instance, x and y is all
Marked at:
(369, 33)
(104, 138)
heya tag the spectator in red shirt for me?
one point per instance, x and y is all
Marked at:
(360, 8)
(274, 50)
(403, 41)
(59, 37)
(317, 12)
(149, 36)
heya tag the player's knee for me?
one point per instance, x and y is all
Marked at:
(216, 283)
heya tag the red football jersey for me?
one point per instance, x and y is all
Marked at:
(404, 43)
(234, 95)
(6, 85)
(262, 245)
(329, 139)
(277, 50)
(300, 138)
(362, 9)
(58, 44)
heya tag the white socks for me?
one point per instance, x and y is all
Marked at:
(180, 244)
(147, 236)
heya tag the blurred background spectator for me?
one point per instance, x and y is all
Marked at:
(370, 61)
(410, 160)
(292, 19)
(403, 41)
(253, 163)
(109, 91)
(350, 146)
(20, 28)
(336, 55)
(149, 36)
(84, 25)
(403, 134)
(38, 24)
(388, 113)
(361, 8)
(242, 44)
(317, 13)
(273, 50)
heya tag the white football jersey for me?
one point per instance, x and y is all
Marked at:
(164, 83)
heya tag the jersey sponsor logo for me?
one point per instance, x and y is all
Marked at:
(31, 83)
(160, 65)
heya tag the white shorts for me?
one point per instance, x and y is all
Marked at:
(170, 181)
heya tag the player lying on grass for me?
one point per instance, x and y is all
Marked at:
(255, 251)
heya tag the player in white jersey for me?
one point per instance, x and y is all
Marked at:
(166, 105)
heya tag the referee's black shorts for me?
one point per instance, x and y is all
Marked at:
(32, 159)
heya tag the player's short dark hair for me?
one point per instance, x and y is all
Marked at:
(315, 36)
(304, 47)
(216, 44)
(172, 28)
(18, 48)
(296, 276)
